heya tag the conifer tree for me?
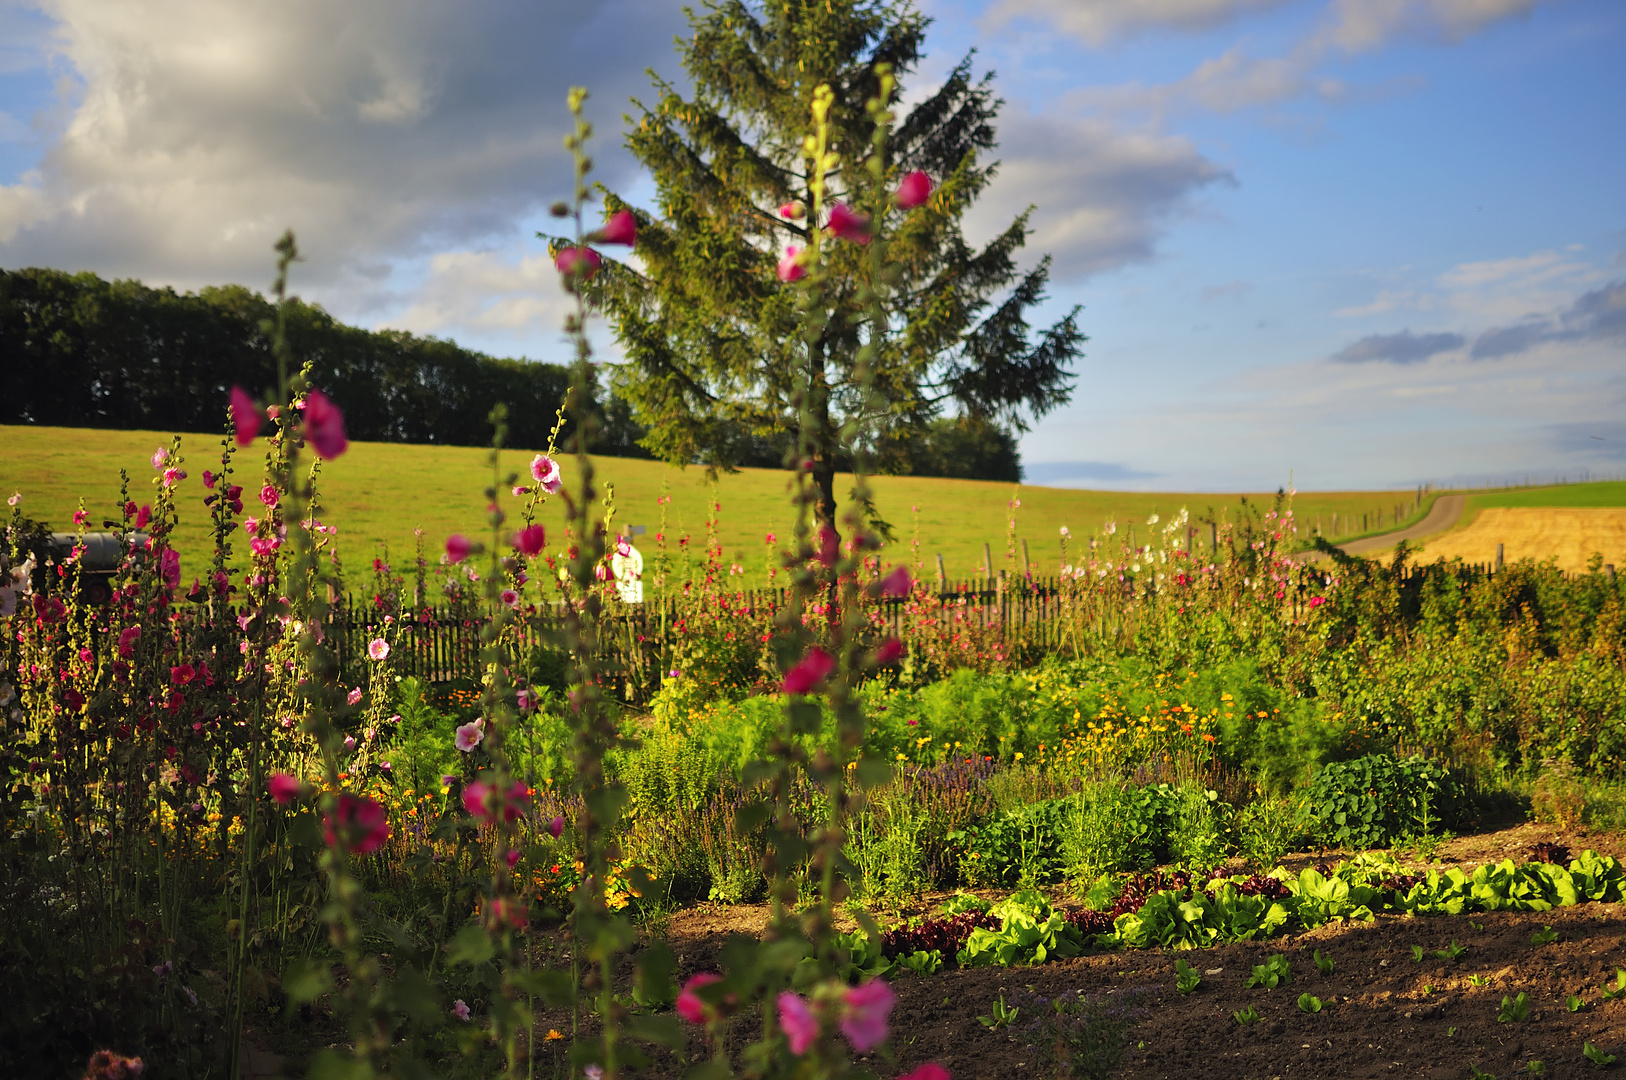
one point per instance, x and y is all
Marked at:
(711, 333)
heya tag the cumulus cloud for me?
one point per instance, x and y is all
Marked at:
(1402, 348)
(378, 129)
(1599, 315)
(1359, 25)
(1103, 194)
(1098, 21)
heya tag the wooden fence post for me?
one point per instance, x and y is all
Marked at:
(942, 578)
(1027, 567)
(987, 563)
(1498, 556)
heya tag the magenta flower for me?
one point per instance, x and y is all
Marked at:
(354, 697)
(1317, 601)
(511, 857)
(457, 547)
(510, 598)
(80, 517)
(173, 476)
(914, 190)
(790, 265)
(546, 473)
(181, 674)
(807, 675)
(829, 546)
(689, 1006)
(469, 736)
(209, 479)
(622, 228)
(245, 416)
(378, 648)
(890, 652)
(324, 425)
(530, 541)
(929, 1071)
(479, 797)
(460, 1010)
(359, 823)
(556, 826)
(792, 210)
(127, 639)
(283, 788)
(575, 262)
(800, 1025)
(269, 496)
(169, 564)
(865, 1021)
(143, 516)
(896, 584)
(844, 224)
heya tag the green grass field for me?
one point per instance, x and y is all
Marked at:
(1607, 493)
(377, 493)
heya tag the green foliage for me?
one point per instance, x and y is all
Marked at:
(1186, 977)
(1368, 802)
(1001, 1015)
(1030, 932)
(1514, 1010)
(1309, 1003)
(1595, 1055)
(1545, 936)
(1272, 973)
(1610, 993)
(1575, 1003)
(1246, 1016)
(1077, 1036)
(1323, 963)
(1268, 828)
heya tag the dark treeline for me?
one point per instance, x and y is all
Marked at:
(79, 351)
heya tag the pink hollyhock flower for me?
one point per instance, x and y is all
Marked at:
(829, 546)
(169, 564)
(520, 489)
(173, 476)
(457, 547)
(929, 1071)
(360, 823)
(127, 639)
(349, 742)
(479, 796)
(469, 736)
(622, 228)
(324, 425)
(689, 1006)
(546, 472)
(801, 1026)
(269, 496)
(556, 826)
(460, 1010)
(890, 652)
(283, 788)
(844, 224)
(378, 648)
(530, 541)
(813, 670)
(792, 210)
(575, 262)
(181, 674)
(896, 584)
(245, 416)
(143, 516)
(159, 456)
(80, 517)
(354, 697)
(1317, 601)
(510, 598)
(865, 1021)
(914, 190)
(209, 479)
(790, 267)
(623, 546)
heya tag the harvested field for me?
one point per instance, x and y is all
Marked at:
(1569, 535)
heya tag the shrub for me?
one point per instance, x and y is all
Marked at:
(1368, 802)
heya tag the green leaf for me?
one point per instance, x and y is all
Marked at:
(1595, 1055)
(306, 980)
(1309, 1003)
(652, 985)
(472, 945)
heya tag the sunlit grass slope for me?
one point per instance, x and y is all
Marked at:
(377, 493)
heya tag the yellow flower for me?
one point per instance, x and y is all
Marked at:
(553, 1034)
(1018, 755)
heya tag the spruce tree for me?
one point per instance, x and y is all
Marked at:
(710, 333)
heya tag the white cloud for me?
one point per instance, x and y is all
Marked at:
(1103, 194)
(379, 130)
(1361, 25)
(1098, 21)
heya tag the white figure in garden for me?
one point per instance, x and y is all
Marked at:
(628, 567)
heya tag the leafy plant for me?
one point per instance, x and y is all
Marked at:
(1475, 1073)
(1478, 980)
(1452, 951)
(1322, 963)
(1514, 1010)
(1535, 1067)
(1575, 1003)
(1002, 1015)
(1084, 1037)
(1246, 1015)
(1186, 977)
(1367, 802)
(1545, 936)
(1595, 1055)
(1273, 972)
(1610, 993)
(1309, 1003)
(1417, 954)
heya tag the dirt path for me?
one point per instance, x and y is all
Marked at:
(1445, 512)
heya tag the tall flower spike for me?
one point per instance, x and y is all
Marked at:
(245, 416)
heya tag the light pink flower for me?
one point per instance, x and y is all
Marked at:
(460, 1010)
(284, 788)
(360, 823)
(510, 598)
(545, 471)
(246, 417)
(844, 224)
(790, 267)
(169, 564)
(349, 742)
(622, 228)
(530, 541)
(159, 456)
(173, 476)
(354, 697)
(689, 1006)
(792, 210)
(801, 1026)
(623, 546)
(457, 547)
(573, 262)
(556, 826)
(521, 489)
(913, 190)
(378, 648)
(814, 668)
(324, 425)
(865, 1021)
(16, 497)
(469, 736)
(896, 584)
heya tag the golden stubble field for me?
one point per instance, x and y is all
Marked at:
(1569, 535)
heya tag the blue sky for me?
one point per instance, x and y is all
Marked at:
(1367, 243)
